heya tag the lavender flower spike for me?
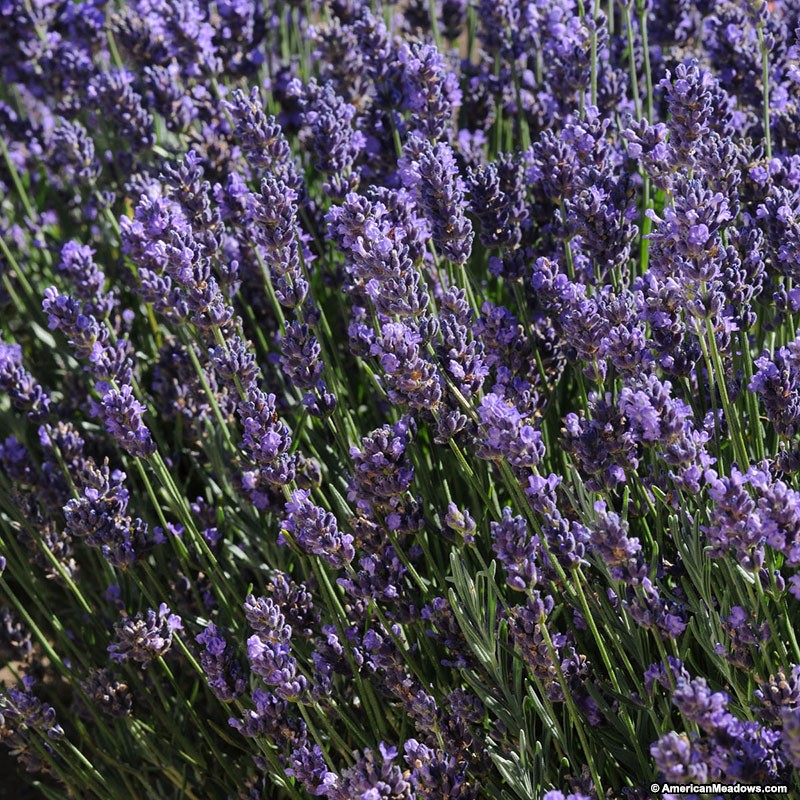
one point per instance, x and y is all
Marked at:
(122, 413)
(145, 637)
(431, 172)
(315, 530)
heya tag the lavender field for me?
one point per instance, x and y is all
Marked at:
(399, 400)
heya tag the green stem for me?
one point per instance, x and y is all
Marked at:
(765, 89)
(434, 18)
(20, 187)
(711, 387)
(637, 103)
(731, 416)
(588, 751)
(641, 6)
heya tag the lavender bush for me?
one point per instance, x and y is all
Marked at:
(399, 400)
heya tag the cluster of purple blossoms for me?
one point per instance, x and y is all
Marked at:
(497, 198)
(602, 444)
(144, 238)
(430, 171)
(109, 363)
(122, 413)
(267, 442)
(656, 419)
(619, 552)
(622, 555)
(223, 672)
(527, 559)
(25, 718)
(752, 511)
(86, 335)
(112, 95)
(743, 638)
(434, 773)
(162, 31)
(269, 716)
(383, 474)
(431, 90)
(384, 659)
(726, 748)
(516, 549)
(777, 384)
(335, 143)
(690, 94)
(14, 636)
(77, 262)
(461, 352)
(505, 270)
(374, 775)
(551, 657)
(172, 241)
(558, 795)
(506, 435)
(144, 637)
(779, 214)
(262, 138)
(460, 522)
(411, 379)
(301, 359)
(563, 539)
(383, 239)
(577, 317)
(35, 496)
(272, 229)
(269, 649)
(790, 740)
(98, 515)
(24, 391)
(272, 213)
(110, 695)
(316, 531)
(780, 692)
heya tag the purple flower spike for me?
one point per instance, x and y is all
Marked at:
(374, 776)
(224, 673)
(336, 144)
(381, 471)
(77, 262)
(269, 649)
(316, 531)
(556, 795)
(262, 138)
(609, 539)
(461, 522)
(86, 335)
(111, 696)
(506, 435)
(23, 717)
(516, 549)
(25, 392)
(777, 383)
(145, 637)
(677, 761)
(431, 89)
(412, 379)
(111, 95)
(431, 172)
(122, 413)
(267, 439)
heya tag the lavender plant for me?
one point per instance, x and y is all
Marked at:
(399, 401)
